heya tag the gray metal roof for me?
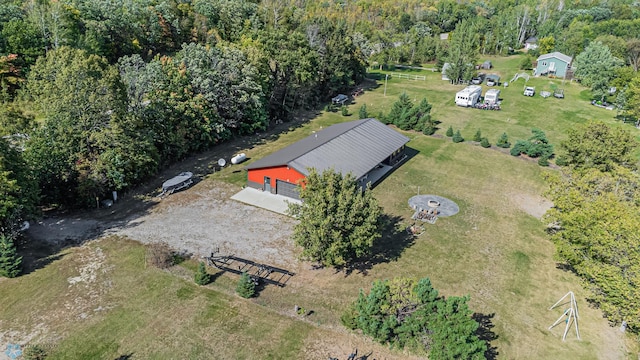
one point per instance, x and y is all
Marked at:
(353, 147)
(556, 55)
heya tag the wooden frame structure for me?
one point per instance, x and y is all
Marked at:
(256, 271)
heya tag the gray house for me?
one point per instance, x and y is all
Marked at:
(555, 63)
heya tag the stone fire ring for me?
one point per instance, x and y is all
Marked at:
(426, 202)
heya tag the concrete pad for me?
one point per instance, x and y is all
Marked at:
(265, 200)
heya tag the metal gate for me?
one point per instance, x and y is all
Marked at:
(287, 189)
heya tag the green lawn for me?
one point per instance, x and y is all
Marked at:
(493, 250)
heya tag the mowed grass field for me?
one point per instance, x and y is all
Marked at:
(494, 250)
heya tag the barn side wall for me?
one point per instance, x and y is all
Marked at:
(255, 177)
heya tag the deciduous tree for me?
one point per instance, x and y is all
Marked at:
(598, 145)
(595, 67)
(339, 222)
(594, 225)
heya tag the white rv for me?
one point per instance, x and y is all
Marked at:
(469, 96)
(491, 96)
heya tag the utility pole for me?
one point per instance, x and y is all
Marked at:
(385, 84)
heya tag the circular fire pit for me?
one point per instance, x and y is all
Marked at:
(442, 206)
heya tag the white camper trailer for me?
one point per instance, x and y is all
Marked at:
(491, 96)
(469, 96)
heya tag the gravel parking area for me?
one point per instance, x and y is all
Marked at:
(203, 218)
(197, 221)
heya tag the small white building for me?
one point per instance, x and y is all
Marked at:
(469, 96)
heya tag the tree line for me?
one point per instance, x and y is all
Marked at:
(98, 96)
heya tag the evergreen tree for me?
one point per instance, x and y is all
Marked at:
(201, 277)
(485, 143)
(478, 136)
(457, 137)
(503, 141)
(407, 313)
(399, 113)
(449, 132)
(10, 262)
(417, 117)
(246, 287)
(362, 113)
(338, 221)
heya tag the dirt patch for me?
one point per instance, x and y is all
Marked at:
(533, 205)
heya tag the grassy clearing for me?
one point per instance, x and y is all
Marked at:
(492, 250)
(130, 309)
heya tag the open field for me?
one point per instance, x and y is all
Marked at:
(100, 301)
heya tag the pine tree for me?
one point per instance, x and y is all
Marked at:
(503, 141)
(246, 288)
(449, 132)
(485, 143)
(400, 111)
(457, 137)
(201, 277)
(363, 114)
(10, 262)
(478, 136)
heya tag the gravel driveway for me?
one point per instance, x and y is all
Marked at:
(197, 220)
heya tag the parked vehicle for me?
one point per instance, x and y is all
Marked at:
(493, 80)
(469, 96)
(558, 93)
(529, 91)
(492, 96)
(478, 79)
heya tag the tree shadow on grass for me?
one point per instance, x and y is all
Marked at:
(389, 247)
(37, 255)
(485, 333)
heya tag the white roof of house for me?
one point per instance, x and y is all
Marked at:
(556, 55)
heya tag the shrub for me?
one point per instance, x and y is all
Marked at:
(503, 141)
(159, 255)
(561, 160)
(344, 110)
(383, 119)
(34, 352)
(520, 147)
(350, 317)
(543, 161)
(246, 288)
(526, 63)
(478, 136)
(363, 114)
(485, 143)
(449, 131)
(457, 137)
(429, 129)
(201, 277)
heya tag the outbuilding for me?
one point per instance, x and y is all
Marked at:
(366, 148)
(555, 63)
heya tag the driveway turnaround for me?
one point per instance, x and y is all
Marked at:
(265, 200)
